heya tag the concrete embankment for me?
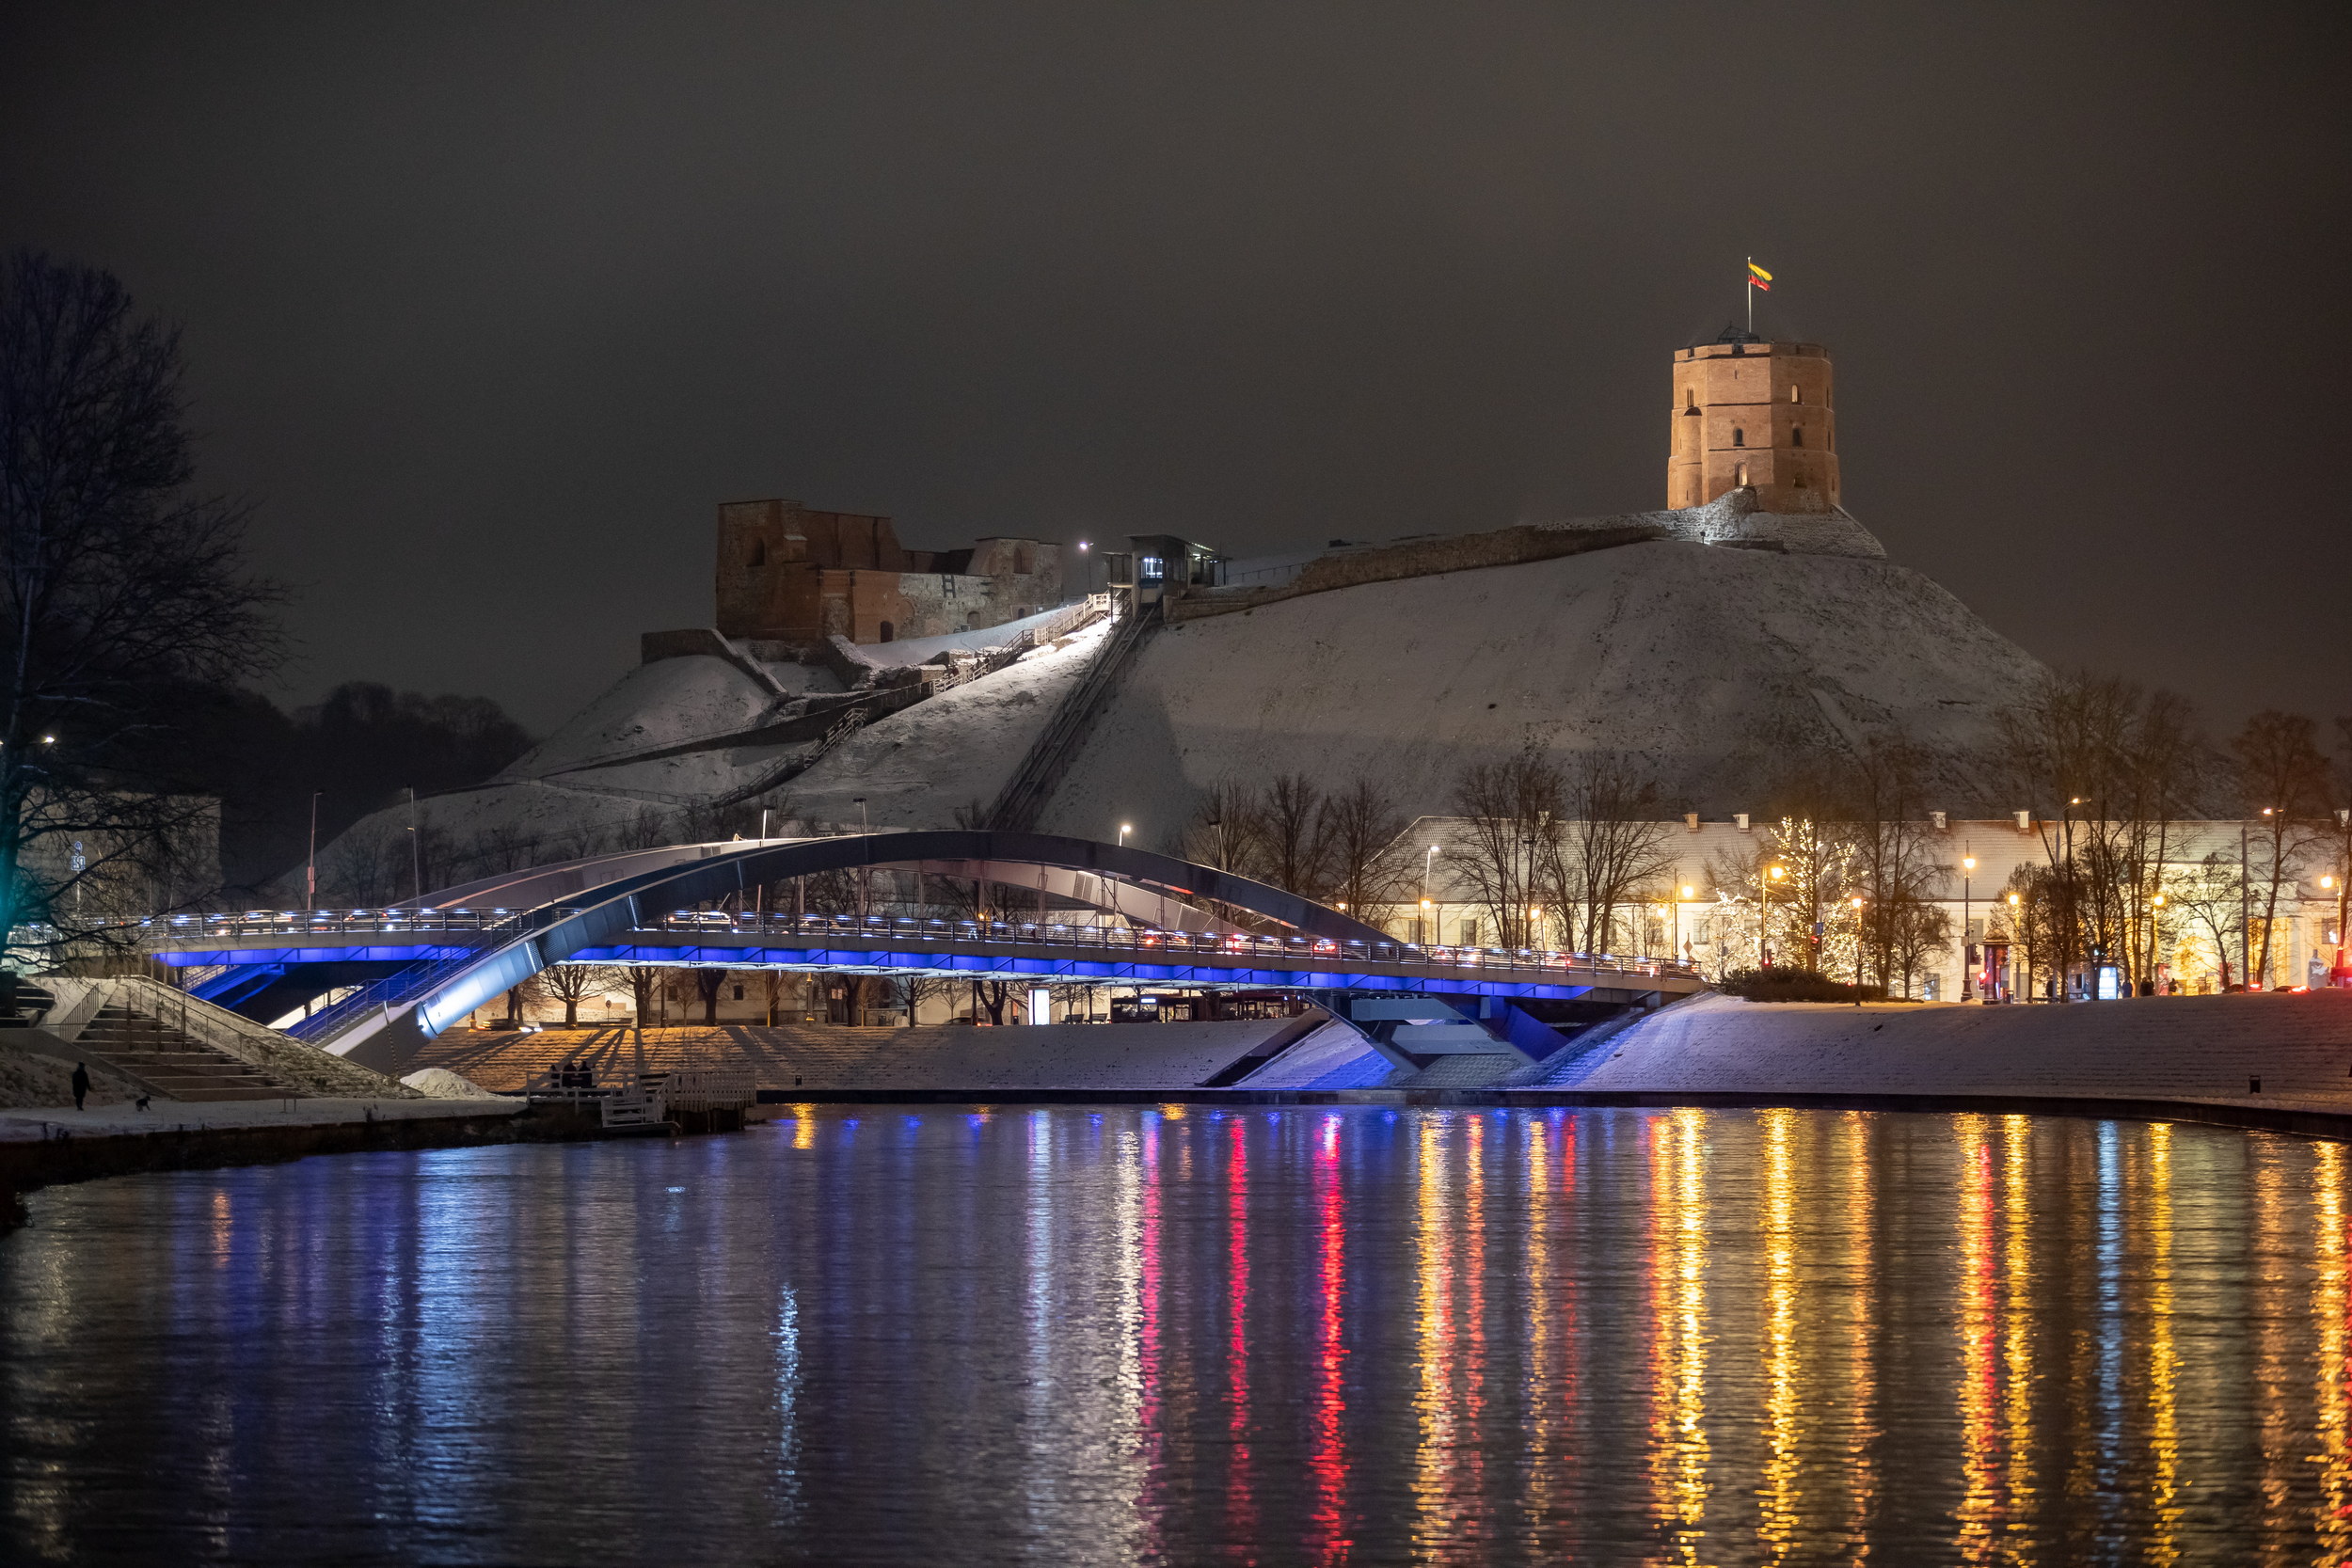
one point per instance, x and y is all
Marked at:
(2281, 1061)
(47, 1147)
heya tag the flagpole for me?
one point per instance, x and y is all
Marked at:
(1751, 297)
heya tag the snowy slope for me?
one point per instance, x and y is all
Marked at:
(1713, 653)
(1711, 662)
(916, 768)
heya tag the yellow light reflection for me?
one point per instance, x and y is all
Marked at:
(1780, 1496)
(1433, 1325)
(2017, 1326)
(2330, 1303)
(2164, 1428)
(1863, 1307)
(1979, 1502)
(1678, 1444)
(1543, 1435)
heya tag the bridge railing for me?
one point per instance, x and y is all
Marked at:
(196, 931)
(1147, 941)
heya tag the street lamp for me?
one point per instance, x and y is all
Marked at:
(1763, 929)
(1430, 935)
(1857, 950)
(1124, 829)
(2016, 931)
(1688, 891)
(1967, 942)
(2155, 936)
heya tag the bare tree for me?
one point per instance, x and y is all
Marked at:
(1226, 833)
(572, 984)
(1360, 821)
(118, 586)
(708, 983)
(2282, 781)
(1296, 846)
(1611, 850)
(644, 988)
(648, 829)
(2210, 897)
(1894, 871)
(1513, 811)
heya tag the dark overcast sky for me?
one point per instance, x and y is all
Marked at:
(487, 306)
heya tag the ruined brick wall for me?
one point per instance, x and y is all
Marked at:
(788, 573)
(1754, 413)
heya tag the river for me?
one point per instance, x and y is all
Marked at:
(1184, 1334)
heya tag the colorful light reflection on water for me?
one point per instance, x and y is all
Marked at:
(1171, 1335)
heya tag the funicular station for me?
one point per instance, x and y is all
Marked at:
(1031, 908)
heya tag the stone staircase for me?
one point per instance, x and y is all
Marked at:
(170, 1062)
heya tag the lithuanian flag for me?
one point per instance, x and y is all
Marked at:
(1760, 278)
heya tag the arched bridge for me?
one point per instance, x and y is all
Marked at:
(1039, 908)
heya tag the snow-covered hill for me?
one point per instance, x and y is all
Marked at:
(1714, 649)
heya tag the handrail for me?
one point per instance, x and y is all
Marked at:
(1148, 940)
(489, 926)
(1018, 804)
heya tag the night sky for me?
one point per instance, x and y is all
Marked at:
(487, 306)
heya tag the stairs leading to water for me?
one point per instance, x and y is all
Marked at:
(172, 1063)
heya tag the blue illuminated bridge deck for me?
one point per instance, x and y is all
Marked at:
(880, 945)
(1127, 917)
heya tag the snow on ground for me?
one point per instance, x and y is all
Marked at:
(916, 767)
(916, 650)
(438, 1082)
(666, 703)
(1710, 663)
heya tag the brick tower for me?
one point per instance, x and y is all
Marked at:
(1749, 412)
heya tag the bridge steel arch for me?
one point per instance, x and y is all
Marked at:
(555, 933)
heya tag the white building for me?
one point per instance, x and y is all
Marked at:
(1706, 904)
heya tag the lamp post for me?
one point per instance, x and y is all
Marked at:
(1967, 941)
(2016, 935)
(1764, 926)
(416, 851)
(310, 877)
(2155, 937)
(2343, 886)
(1429, 910)
(1687, 891)
(1124, 829)
(1857, 950)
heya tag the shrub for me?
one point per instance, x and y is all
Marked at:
(1794, 985)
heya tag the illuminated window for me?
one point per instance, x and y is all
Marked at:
(1795, 395)
(1153, 568)
(1740, 475)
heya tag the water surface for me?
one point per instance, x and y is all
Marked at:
(1181, 1335)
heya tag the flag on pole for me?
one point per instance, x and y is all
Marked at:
(1758, 278)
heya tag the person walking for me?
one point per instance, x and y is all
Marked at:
(81, 1084)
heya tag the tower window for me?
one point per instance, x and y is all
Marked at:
(1796, 395)
(1739, 437)
(1796, 436)
(1691, 395)
(1739, 476)
(759, 552)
